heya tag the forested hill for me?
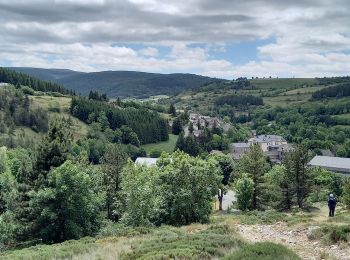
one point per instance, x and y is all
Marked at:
(21, 79)
(121, 83)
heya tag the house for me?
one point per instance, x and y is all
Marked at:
(267, 141)
(274, 147)
(146, 161)
(334, 164)
(238, 149)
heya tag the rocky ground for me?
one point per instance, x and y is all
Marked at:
(296, 237)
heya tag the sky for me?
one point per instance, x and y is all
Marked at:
(217, 38)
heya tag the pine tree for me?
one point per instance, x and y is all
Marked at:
(255, 165)
(54, 148)
(297, 170)
(177, 126)
(172, 110)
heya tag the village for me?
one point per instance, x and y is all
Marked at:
(274, 146)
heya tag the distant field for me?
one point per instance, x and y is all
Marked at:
(282, 83)
(304, 90)
(48, 102)
(167, 146)
(286, 100)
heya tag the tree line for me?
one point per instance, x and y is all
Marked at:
(21, 79)
(149, 126)
(338, 91)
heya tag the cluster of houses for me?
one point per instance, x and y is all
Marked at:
(200, 122)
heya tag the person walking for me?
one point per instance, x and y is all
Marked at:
(332, 202)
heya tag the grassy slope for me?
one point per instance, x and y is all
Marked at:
(282, 92)
(167, 146)
(62, 104)
(195, 241)
(218, 240)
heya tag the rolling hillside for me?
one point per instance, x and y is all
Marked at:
(120, 83)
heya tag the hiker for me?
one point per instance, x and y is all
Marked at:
(332, 202)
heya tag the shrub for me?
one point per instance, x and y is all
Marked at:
(27, 90)
(155, 154)
(244, 188)
(170, 243)
(263, 251)
(333, 234)
(346, 193)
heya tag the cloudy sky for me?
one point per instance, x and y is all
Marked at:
(221, 38)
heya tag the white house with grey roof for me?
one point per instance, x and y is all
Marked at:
(267, 141)
(274, 147)
(334, 164)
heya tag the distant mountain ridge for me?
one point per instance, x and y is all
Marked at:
(120, 83)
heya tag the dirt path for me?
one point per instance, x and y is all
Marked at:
(296, 238)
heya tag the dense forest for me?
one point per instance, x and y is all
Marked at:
(338, 91)
(20, 79)
(148, 126)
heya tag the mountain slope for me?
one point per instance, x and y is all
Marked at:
(121, 83)
(47, 74)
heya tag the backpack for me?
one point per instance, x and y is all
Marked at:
(332, 201)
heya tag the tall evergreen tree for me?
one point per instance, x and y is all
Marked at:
(255, 165)
(54, 148)
(172, 110)
(177, 126)
(296, 168)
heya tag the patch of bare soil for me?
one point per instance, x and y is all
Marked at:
(296, 238)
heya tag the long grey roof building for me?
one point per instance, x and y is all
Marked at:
(335, 164)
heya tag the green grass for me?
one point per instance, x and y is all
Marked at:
(117, 242)
(304, 90)
(283, 83)
(47, 102)
(263, 251)
(59, 107)
(173, 243)
(343, 116)
(167, 146)
(266, 217)
(63, 250)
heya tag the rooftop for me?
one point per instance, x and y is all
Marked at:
(338, 164)
(146, 161)
(267, 138)
(241, 145)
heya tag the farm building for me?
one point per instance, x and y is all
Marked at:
(334, 164)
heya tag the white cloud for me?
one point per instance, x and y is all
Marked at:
(149, 51)
(312, 37)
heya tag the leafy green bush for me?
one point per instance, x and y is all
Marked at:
(263, 251)
(27, 90)
(244, 188)
(332, 234)
(116, 229)
(346, 193)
